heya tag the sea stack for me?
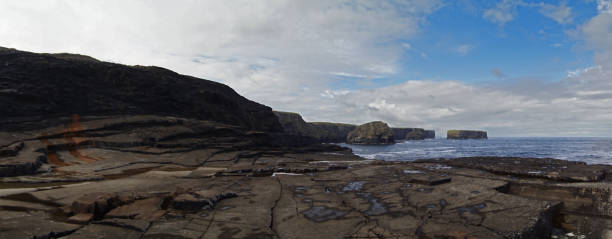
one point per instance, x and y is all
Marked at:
(466, 134)
(376, 132)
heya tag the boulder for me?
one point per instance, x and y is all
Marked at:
(466, 134)
(376, 132)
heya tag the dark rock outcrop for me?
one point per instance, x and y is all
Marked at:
(430, 134)
(466, 134)
(11, 150)
(35, 87)
(376, 132)
(324, 132)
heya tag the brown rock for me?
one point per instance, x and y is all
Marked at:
(81, 218)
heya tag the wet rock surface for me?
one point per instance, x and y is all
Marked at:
(167, 177)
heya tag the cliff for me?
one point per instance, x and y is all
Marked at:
(36, 87)
(376, 132)
(293, 124)
(466, 134)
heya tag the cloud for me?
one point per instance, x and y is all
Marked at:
(464, 49)
(498, 73)
(579, 72)
(506, 10)
(604, 6)
(502, 13)
(292, 55)
(275, 52)
(562, 14)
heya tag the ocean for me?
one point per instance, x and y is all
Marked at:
(590, 150)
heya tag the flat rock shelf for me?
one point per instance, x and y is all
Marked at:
(167, 177)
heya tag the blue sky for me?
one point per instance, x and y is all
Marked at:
(458, 43)
(511, 67)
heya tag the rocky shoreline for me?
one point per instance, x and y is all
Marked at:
(90, 149)
(160, 178)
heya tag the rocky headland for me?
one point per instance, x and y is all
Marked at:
(90, 149)
(323, 132)
(466, 134)
(376, 132)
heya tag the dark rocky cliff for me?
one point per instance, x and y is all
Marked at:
(293, 124)
(466, 134)
(35, 87)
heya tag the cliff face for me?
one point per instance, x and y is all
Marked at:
(35, 86)
(293, 124)
(466, 134)
(376, 132)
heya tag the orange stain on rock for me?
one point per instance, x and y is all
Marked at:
(70, 136)
(52, 157)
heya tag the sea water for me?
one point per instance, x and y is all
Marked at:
(590, 150)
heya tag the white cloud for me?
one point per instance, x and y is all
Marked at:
(502, 13)
(344, 74)
(464, 49)
(561, 14)
(506, 10)
(269, 51)
(579, 72)
(604, 6)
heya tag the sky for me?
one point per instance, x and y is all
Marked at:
(513, 68)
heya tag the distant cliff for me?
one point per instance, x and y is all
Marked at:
(376, 132)
(326, 132)
(413, 134)
(466, 134)
(294, 124)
